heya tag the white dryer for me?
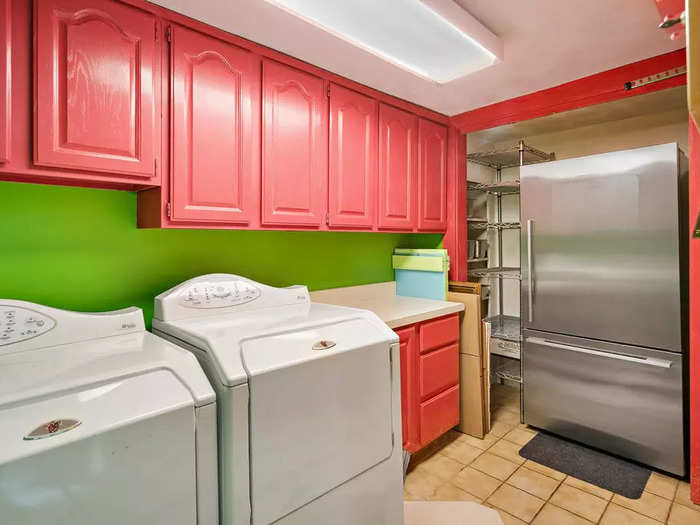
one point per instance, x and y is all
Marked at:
(101, 422)
(308, 397)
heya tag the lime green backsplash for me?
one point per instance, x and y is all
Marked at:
(79, 249)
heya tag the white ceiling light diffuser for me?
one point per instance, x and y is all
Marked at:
(434, 39)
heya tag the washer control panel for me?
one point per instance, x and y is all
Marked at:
(218, 294)
(19, 324)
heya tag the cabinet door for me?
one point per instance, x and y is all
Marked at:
(432, 178)
(96, 87)
(295, 147)
(408, 342)
(5, 79)
(398, 141)
(215, 164)
(352, 167)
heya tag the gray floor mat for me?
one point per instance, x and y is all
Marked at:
(605, 471)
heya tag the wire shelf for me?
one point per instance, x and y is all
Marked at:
(506, 368)
(506, 187)
(480, 225)
(505, 327)
(496, 273)
(509, 157)
(508, 376)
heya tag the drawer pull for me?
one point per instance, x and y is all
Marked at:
(661, 363)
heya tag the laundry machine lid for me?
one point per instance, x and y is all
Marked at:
(219, 326)
(46, 350)
(320, 411)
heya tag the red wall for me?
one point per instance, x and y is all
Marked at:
(694, 210)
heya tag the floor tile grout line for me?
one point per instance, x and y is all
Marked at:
(548, 500)
(606, 508)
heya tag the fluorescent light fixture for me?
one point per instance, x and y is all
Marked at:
(434, 39)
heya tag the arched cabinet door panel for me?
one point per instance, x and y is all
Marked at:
(215, 152)
(352, 166)
(97, 79)
(398, 169)
(294, 147)
(5, 79)
(432, 176)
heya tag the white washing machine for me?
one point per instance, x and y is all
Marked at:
(309, 401)
(101, 422)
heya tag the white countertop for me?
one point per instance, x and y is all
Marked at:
(394, 310)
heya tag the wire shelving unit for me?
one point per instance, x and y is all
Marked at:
(504, 328)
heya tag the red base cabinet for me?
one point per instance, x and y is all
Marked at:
(429, 380)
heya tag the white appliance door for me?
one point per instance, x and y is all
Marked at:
(130, 460)
(317, 417)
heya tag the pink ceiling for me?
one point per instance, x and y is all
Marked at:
(546, 43)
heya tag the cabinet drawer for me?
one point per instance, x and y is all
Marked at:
(439, 414)
(442, 332)
(438, 371)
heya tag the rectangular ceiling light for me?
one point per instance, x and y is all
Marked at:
(434, 39)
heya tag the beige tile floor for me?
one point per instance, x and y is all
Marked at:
(458, 467)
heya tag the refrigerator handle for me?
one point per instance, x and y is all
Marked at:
(661, 363)
(530, 280)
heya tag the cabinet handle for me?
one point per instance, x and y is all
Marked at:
(530, 280)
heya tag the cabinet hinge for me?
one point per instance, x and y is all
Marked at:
(328, 219)
(329, 90)
(155, 166)
(156, 32)
(168, 34)
(168, 210)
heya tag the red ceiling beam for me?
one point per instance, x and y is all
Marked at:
(594, 89)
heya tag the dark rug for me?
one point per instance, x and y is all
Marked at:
(600, 469)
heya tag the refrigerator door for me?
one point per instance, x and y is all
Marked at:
(622, 399)
(600, 247)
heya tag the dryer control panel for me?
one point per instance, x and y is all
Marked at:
(222, 294)
(28, 326)
(18, 324)
(218, 294)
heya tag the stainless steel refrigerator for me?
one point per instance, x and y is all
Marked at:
(603, 301)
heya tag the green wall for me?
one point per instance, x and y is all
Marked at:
(79, 249)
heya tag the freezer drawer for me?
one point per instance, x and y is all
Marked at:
(622, 399)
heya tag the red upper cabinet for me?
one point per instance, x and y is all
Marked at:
(432, 178)
(398, 173)
(294, 147)
(215, 125)
(352, 166)
(96, 87)
(5, 79)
